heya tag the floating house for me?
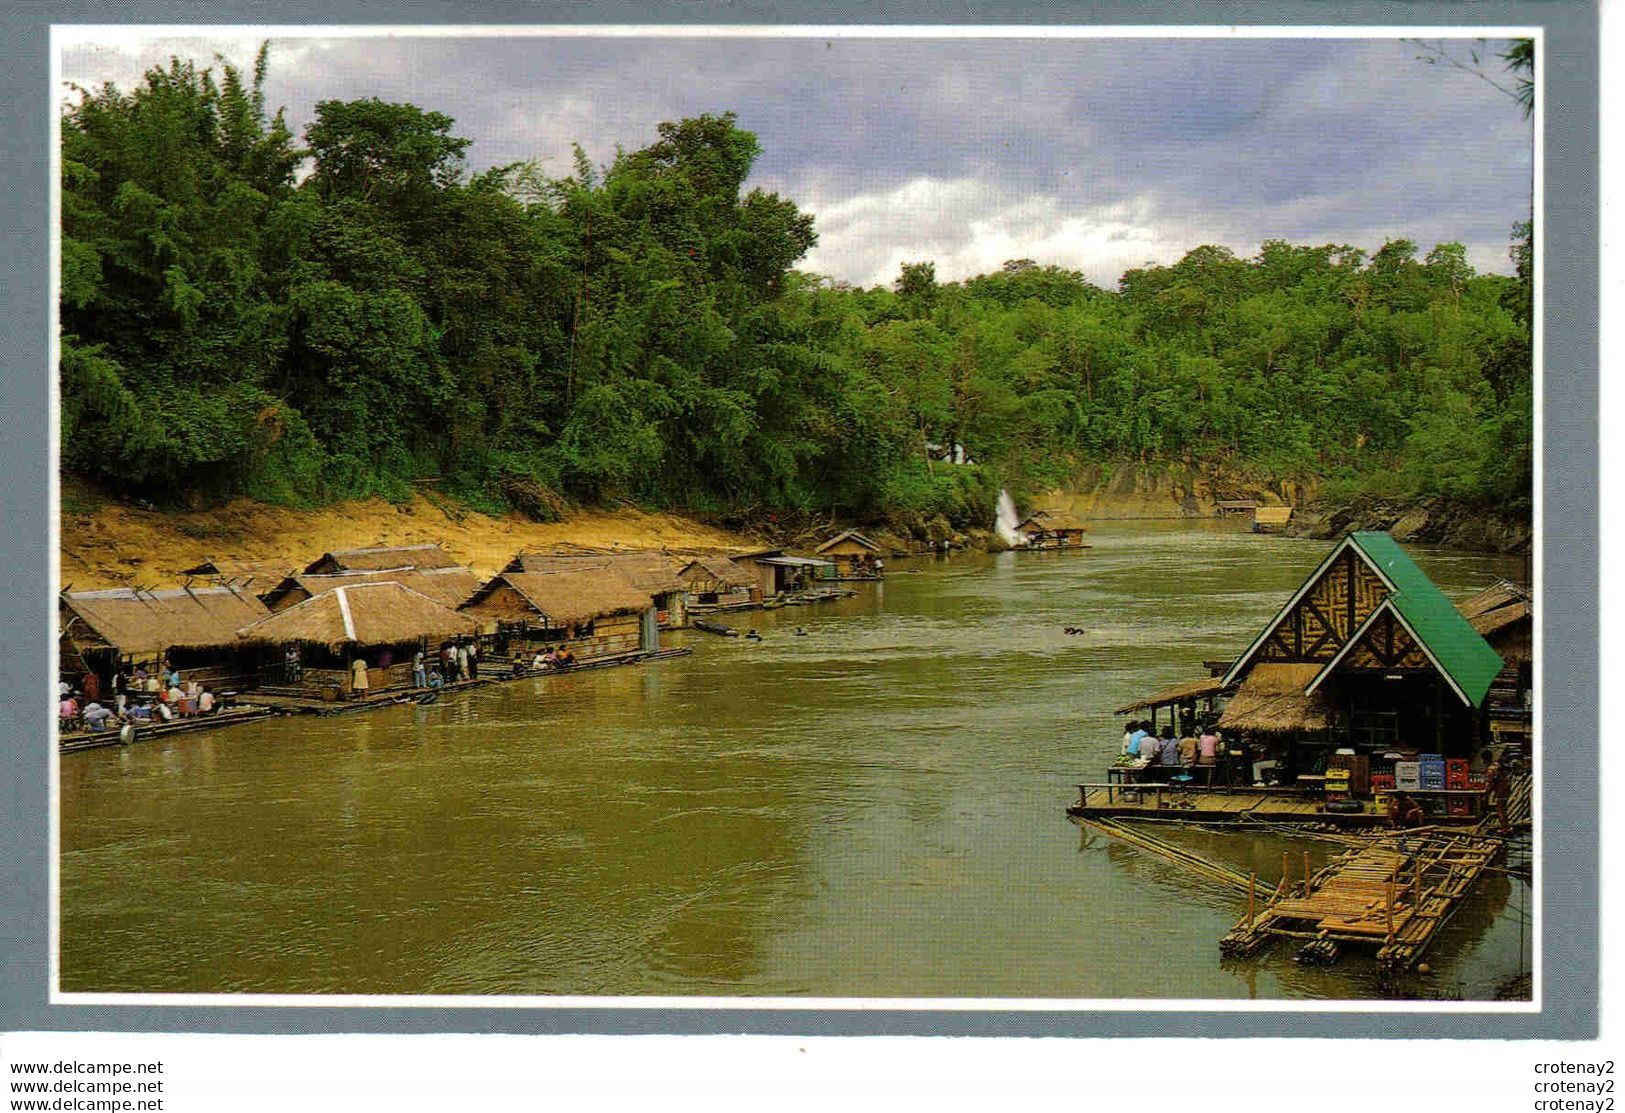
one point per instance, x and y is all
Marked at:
(854, 555)
(382, 558)
(647, 570)
(718, 584)
(258, 576)
(194, 628)
(1368, 654)
(310, 648)
(594, 612)
(450, 587)
(1051, 529)
(1235, 508)
(782, 574)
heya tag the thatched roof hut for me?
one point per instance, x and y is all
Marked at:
(260, 575)
(1271, 700)
(139, 624)
(1188, 692)
(556, 598)
(385, 557)
(716, 573)
(450, 587)
(647, 569)
(383, 613)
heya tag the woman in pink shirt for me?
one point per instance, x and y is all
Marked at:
(1207, 747)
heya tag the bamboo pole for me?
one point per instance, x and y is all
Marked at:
(1390, 934)
(1252, 885)
(1306, 873)
(1286, 873)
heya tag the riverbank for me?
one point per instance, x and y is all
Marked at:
(112, 545)
(1161, 491)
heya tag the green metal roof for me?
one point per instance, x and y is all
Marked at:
(1447, 637)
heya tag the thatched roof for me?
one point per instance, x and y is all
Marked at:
(1272, 515)
(1179, 693)
(1493, 622)
(1271, 700)
(848, 535)
(264, 574)
(383, 613)
(1497, 595)
(646, 569)
(1052, 521)
(396, 556)
(718, 570)
(141, 622)
(450, 587)
(568, 598)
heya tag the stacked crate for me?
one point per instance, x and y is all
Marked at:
(1407, 775)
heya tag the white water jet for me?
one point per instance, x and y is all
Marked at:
(1005, 522)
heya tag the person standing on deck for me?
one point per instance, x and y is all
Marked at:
(473, 660)
(420, 676)
(358, 677)
(1207, 747)
(1499, 787)
(91, 685)
(1129, 741)
(462, 662)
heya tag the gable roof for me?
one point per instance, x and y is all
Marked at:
(1463, 658)
(848, 535)
(569, 598)
(645, 569)
(430, 555)
(1053, 520)
(450, 587)
(139, 622)
(265, 574)
(1355, 541)
(380, 613)
(720, 570)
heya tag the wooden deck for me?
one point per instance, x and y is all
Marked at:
(1219, 805)
(146, 732)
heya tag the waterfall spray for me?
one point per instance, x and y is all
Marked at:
(1006, 521)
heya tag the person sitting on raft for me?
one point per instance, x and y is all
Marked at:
(1148, 747)
(565, 659)
(1168, 750)
(96, 715)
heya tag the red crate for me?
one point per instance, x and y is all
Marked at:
(1460, 807)
(1381, 782)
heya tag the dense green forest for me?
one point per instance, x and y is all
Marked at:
(305, 319)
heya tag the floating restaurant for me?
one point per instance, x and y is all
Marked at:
(716, 583)
(1367, 681)
(450, 586)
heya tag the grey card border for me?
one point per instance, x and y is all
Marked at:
(1569, 543)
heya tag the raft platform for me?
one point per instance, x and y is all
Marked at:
(1392, 897)
(98, 739)
(1218, 804)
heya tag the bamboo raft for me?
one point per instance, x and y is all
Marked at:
(1392, 896)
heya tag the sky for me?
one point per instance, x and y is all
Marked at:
(1097, 155)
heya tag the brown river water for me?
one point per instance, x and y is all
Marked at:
(875, 809)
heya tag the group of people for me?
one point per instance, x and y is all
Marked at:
(555, 659)
(137, 697)
(457, 661)
(1166, 752)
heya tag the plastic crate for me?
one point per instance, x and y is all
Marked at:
(1459, 807)
(1407, 774)
(1381, 781)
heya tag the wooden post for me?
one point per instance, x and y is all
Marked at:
(1286, 873)
(1416, 890)
(1252, 884)
(1306, 873)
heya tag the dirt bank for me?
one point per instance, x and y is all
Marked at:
(111, 545)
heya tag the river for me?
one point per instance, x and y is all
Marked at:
(874, 809)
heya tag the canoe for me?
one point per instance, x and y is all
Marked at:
(714, 627)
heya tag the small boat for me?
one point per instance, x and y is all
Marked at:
(427, 698)
(714, 627)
